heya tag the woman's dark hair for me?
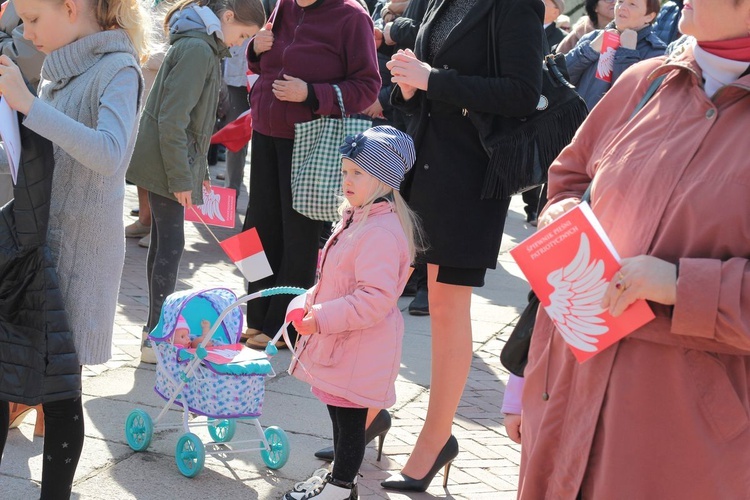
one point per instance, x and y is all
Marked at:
(247, 12)
(590, 7)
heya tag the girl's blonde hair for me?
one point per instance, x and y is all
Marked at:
(129, 15)
(247, 12)
(409, 220)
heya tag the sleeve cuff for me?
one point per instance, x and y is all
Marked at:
(697, 302)
(512, 397)
(320, 318)
(312, 99)
(588, 52)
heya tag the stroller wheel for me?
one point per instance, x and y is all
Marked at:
(138, 430)
(278, 453)
(190, 455)
(222, 431)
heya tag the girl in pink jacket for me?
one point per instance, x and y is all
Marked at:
(350, 345)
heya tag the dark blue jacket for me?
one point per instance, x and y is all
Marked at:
(582, 62)
(666, 24)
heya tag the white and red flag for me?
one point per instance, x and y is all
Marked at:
(246, 251)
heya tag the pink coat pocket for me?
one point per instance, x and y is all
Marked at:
(326, 348)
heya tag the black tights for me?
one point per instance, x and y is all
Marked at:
(63, 442)
(164, 253)
(348, 441)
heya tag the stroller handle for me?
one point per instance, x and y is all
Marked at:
(268, 292)
(279, 290)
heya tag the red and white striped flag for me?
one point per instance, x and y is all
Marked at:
(246, 251)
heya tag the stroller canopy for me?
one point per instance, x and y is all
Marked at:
(195, 306)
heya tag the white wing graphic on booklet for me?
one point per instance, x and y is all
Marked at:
(210, 207)
(575, 303)
(606, 63)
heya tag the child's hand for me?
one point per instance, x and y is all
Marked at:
(512, 424)
(185, 198)
(263, 40)
(12, 87)
(307, 326)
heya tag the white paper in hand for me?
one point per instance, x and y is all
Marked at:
(11, 136)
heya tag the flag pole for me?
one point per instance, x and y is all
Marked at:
(204, 223)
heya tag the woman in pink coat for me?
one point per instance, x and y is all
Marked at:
(662, 414)
(350, 345)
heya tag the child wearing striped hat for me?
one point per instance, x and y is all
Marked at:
(349, 349)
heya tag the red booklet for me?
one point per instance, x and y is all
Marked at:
(569, 265)
(218, 208)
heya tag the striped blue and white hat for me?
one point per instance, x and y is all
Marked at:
(384, 152)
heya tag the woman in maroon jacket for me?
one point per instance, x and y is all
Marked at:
(311, 45)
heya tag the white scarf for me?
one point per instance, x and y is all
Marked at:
(717, 71)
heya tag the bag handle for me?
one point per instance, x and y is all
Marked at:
(340, 100)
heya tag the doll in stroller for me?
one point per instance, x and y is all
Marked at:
(203, 368)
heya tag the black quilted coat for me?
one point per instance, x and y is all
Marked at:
(38, 361)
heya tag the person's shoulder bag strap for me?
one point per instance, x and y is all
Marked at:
(646, 97)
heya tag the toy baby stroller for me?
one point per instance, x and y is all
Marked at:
(212, 375)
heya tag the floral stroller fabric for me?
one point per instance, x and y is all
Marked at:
(222, 386)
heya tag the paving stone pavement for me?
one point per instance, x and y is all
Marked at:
(486, 468)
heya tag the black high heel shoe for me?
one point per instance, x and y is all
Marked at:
(378, 428)
(444, 459)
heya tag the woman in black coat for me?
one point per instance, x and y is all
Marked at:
(448, 86)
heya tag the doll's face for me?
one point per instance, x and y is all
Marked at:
(181, 336)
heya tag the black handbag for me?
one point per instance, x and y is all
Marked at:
(521, 150)
(515, 353)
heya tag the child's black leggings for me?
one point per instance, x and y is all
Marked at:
(63, 442)
(164, 253)
(348, 441)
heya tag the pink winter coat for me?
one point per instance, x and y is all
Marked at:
(663, 414)
(357, 353)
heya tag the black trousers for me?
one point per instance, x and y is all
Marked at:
(63, 442)
(531, 201)
(535, 199)
(289, 239)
